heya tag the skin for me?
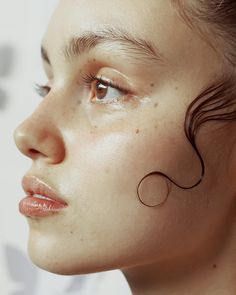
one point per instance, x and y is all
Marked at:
(95, 153)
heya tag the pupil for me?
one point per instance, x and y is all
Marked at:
(101, 90)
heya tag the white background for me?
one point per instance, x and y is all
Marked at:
(22, 24)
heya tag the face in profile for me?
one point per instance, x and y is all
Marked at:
(114, 107)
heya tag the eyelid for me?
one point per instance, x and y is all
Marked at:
(112, 84)
(115, 80)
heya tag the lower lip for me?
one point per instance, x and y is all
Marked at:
(35, 207)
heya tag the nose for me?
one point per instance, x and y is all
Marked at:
(38, 137)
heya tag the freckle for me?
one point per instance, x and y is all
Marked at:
(155, 105)
(71, 232)
(214, 266)
(137, 131)
(176, 88)
(152, 84)
(107, 170)
(155, 127)
(78, 102)
(94, 60)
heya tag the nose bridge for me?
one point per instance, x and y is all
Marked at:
(39, 136)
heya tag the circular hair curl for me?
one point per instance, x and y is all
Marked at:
(215, 103)
(218, 101)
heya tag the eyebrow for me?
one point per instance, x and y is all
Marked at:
(133, 47)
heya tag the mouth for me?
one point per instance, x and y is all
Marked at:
(41, 200)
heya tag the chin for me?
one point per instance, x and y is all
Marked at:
(63, 266)
(62, 261)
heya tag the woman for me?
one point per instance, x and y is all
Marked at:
(133, 145)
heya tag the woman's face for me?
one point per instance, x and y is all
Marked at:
(122, 74)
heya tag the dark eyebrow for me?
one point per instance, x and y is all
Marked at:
(134, 47)
(44, 55)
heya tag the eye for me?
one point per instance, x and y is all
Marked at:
(106, 92)
(42, 90)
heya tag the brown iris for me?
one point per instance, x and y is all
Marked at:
(101, 90)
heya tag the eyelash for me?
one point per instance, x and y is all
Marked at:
(42, 90)
(88, 79)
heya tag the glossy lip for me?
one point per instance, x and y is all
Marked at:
(33, 206)
(32, 185)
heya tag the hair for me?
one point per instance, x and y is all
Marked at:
(215, 17)
(216, 22)
(217, 102)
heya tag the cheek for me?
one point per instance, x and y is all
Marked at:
(115, 158)
(105, 170)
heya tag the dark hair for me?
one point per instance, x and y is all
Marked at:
(218, 17)
(218, 101)
(216, 21)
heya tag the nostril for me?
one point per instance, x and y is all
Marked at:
(33, 153)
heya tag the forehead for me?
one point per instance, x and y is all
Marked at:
(132, 14)
(157, 21)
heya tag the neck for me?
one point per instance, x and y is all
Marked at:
(213, 272)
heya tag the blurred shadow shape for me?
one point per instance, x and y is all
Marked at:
(3, 99)
(77, 284)
(6, 60)
(21, 271)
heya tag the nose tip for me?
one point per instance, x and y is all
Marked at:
(22, 142)
(19, 140)
(40, 142)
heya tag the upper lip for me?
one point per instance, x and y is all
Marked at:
(33, 185)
